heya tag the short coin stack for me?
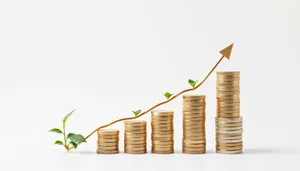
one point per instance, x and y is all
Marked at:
(135, 137)
(162, 132)
(229, 127)
(194, 141)
(108, 141)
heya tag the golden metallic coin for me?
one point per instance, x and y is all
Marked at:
(135, 122)
(108, 143)
(229, 119)
(196, 141)
(107, 140)
(229, 141)
(163, 142)
(229, 129)
(229, 152)
(162, 152)
(199, 137)
(162, 138)
(162, 148)
(129, 146)
(108, 148)
(193, 96)
(162, 135)
(162, 113)
(229, 144)
(193, 152)
(107, 152)
(228, 72)
(108, 131)
(226, 136)
(225, 125)
(229, 148)
(196, 134)
(135, 152)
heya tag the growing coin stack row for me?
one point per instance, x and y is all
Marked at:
(135, 137)
(108, 141)
(229, 127)
(194, 141)
(162, 132)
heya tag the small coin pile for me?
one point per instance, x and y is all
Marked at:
(229, 128)
(108, 141)
(194, 140)
(135, 137)
(162, 131)
(229, 139)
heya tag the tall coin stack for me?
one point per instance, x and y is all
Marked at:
(108, 141)
(162, 132)
(229, 128)
(135, 137)
(194, 141)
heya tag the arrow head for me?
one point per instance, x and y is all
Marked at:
(227, 51)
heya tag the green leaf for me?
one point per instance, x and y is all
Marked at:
(58, 142)
(70, 134)
(56, 130)
(74, 144)
(66, 117)
(137, 112)
(77, 138)
(192, 82)
(168, 95)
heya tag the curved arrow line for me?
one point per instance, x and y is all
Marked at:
(159, 104)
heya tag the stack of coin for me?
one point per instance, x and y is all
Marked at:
(108, 141)
(229, 127)
(162, 132)
(135, 137)
(229, 139)
(228, 94)
(194, 141)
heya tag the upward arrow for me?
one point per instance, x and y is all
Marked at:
(226, 52)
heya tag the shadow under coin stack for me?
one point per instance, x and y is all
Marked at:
(162, 132)
(108, 141)
(229, 127)
(135, 137)
(194, 141)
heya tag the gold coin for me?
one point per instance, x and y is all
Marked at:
(135, 122)
(135, 152)
(193, 96)
(224, 136)
(162, 152)
(162, 113)
(228, 128)
(108, 143)
(229, 119)
(108, 140)
(229, 152)
(163, 142)
(228, 72)
(229, 125)
(163, 148)
(162, 135)
(161, 139)
(194, 152)
(196, 134)
(230, 148)
(130, 146)
(108, 148)
(108, 131)
(229, 144)
(229, 141)
(107, 152)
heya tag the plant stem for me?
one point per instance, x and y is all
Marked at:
(65, 139)
(155, 106)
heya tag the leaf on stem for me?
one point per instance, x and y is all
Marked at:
(58, 142)
(137, 112)
(77, 138)
(168, 95)
(70, 134)
(66, 117)
(74, 144)
(192, 82)
(56, 130)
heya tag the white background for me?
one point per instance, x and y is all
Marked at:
(106, 58)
